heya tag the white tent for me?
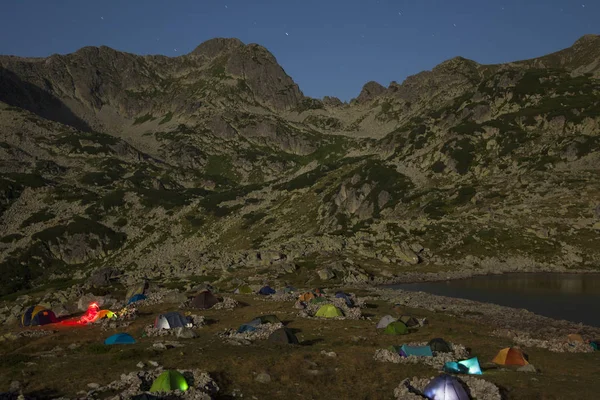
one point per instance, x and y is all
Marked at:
(385, 321)
(171, 320)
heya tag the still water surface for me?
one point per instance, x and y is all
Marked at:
(573, 297)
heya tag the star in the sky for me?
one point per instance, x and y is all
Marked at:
(175, 50)
(225, 5)
(400, 13)
(101, 17)
(454, 25)
(583, 5)
(287, 34)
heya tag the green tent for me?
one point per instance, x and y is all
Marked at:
(318, 300)
(169, 380)
(396, 328)
(244, 289)
(329, 311)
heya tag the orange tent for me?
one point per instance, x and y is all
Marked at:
(575, 338)
(510, 356)
(306, 297)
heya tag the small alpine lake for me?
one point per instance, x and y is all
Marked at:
(569, 296)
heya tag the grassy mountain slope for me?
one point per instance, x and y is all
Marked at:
(215, 165)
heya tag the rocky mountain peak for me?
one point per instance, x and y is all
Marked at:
(369, 91)
(217, 46)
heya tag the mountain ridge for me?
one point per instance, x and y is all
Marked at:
(216, 165)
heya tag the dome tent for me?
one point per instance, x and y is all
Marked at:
(283, 336)
(136, 297)
(396, 328)
(120, 338)
(171, 320)
(204, 300)
(168, 381)
(244, 289)
(329, 311)
(385, 321)
(38, 315)
(409, 321)
(445, 387)
(266, 290)
(439, 345)
(510, 356)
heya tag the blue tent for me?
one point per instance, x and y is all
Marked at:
(470, 366)
(120, 338)
(419, 351)
(266, 290)
(246, 328)
(137, 297)
(346, 297)
(445, 387)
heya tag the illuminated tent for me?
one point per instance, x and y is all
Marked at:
(396, 328)
(385, 321)
(409, 321)
(168, 381)
(439, 345)
(171, 320)
(204, 300)
(510, 356)
(445, 387)
(106, 314)
(136, 297)
(283, 336)
(38, 315)
(329, 311)
(120, 338)
(595, 344)
(419, 351)
(470, 366)
(244, 289)
(266, 290)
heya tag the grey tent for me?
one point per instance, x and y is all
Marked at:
(171, 320)
(267, 319)
(439, 345)
(409, 321)
(204, 300)
(283, 336)
(385, 321)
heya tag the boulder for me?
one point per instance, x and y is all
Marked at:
(185, 333)
(103, 276)
(87, 299)
(405, 253)
(326, 274)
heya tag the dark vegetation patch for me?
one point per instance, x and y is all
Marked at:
(251, 219)
(40, 216)
(462, 151)
(167, 118)
(144, 118)
(11, 238)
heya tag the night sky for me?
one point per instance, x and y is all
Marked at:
(329, 47)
